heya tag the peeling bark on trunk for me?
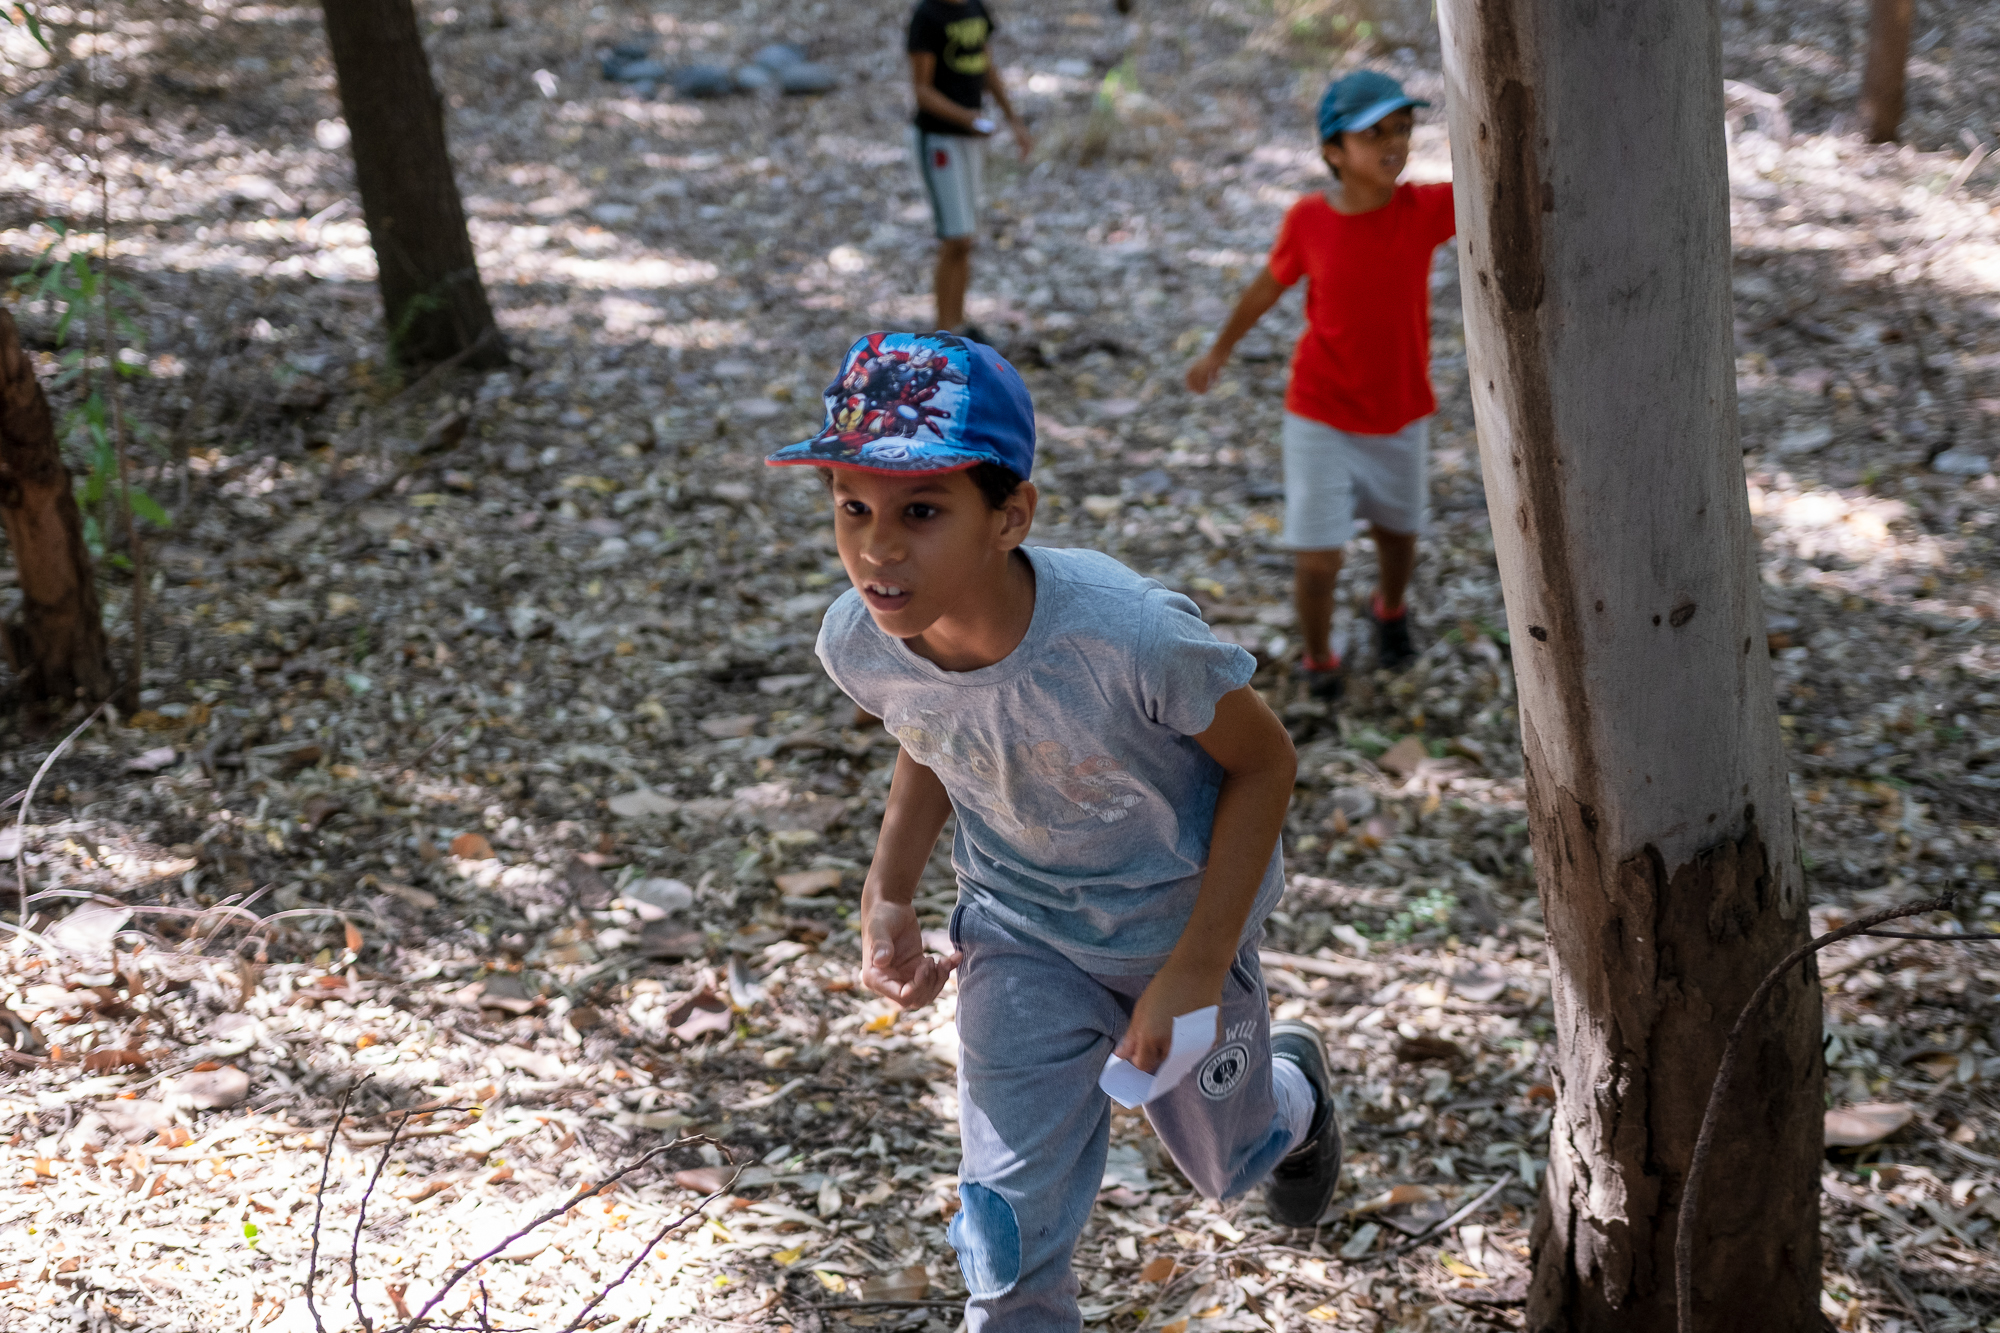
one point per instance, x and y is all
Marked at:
(1593, 213)
(431, 293)
(1888, 63)
(57, 647)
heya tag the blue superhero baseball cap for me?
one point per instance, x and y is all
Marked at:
(1356, 101)
(909, 403)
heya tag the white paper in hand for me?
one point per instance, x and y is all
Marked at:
(1129, 1085)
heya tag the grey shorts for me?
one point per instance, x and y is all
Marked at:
(1034, 1031)
(951, 167)
(1334, 476)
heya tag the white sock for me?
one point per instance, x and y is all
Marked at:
(1296, 1101)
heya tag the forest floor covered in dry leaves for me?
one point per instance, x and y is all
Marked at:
(484, 766)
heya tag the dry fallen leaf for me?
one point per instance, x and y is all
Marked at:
(1869, 1122)
(215, 1089)
(699, 1014)
(1158, 1268)
(704, 1179)
(806, 883)
(730, 728)
(471, 847)
(909, 1284)
(1403, 757)
(104, 1060)
(1411, 1050)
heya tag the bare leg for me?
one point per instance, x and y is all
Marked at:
(1396, 555)
(954, 274)
(1314, 574)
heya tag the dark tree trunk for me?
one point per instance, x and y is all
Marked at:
(1592, 196)
(57, 646)
(1888, 59)
(431, 294)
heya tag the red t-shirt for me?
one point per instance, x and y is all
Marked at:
(1364, 362)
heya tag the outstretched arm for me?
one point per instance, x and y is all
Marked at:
(1262, 293)
(893, 962)
(1259, 767)
(1022, 139)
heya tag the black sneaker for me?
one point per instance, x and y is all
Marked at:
(1327, 684)
(1394, 648)
(1304, 1181)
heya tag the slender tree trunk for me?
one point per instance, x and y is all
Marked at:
(57, 646)
(1593, 211)
(1888, 59)
(431, 293)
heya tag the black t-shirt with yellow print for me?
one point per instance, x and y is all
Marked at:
(955, 31)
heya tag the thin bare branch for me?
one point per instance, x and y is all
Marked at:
(28, 799)
(361, 1220)
(586, 1192)
(647, 1249)
(319, 1204)
(1718, 1090)
(1438, 1228)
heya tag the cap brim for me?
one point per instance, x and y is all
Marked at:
(1367, 116)
(822, 452)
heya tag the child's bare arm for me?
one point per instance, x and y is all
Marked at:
(1259, 768)
(994, 85)
(1262, 293)
(893, 963)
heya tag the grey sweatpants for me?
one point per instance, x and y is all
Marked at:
(1034, 1030)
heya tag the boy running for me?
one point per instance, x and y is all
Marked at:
(1118, 790)
(1357, 411)
(952, 71)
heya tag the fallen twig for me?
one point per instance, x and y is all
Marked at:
(1691, 1195)
(319, 1205)
(587, 1192)
(28, 797)
(1485, 1197)
(657, 1237)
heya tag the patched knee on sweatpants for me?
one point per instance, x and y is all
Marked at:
(988, 1240)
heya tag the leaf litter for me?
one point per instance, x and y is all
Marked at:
(484, 768)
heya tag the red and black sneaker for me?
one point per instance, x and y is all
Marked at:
(1394, 648)
(1325, 677)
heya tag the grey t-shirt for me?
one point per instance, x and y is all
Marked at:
(1084, 807)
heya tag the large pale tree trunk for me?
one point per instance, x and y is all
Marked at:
(431, 294)
(1592, 200)
(1888, 62)
(56, 648)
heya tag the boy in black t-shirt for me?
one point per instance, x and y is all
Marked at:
(952, 71)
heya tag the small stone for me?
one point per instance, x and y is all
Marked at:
(803, 79)
(212, 1089)
(704, 80)
(664, 896)
(1808, 440)
(778, 55)
(1961, 463)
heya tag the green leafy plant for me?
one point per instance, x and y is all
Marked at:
(80, 289)
(1429, 909)
(25, 16)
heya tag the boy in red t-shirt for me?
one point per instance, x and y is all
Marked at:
(1357, 411)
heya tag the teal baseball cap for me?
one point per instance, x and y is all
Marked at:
(1356, 101)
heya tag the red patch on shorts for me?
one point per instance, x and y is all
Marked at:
(940, 159)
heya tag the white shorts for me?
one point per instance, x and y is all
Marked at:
(950, 169)
(1334, 476)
